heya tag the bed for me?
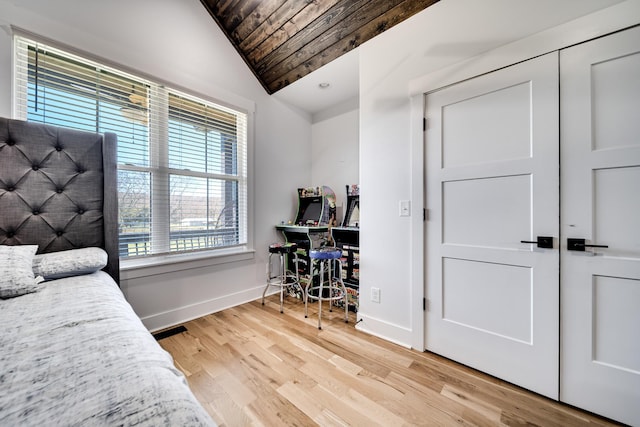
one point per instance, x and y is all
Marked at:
(72, 351)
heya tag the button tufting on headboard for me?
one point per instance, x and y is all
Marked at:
(54, 191)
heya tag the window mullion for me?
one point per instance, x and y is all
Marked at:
(159, 158)
(241, 164)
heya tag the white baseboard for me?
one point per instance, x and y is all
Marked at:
(385, 330)
(170, 318)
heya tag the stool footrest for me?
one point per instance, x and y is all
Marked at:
(339, 293)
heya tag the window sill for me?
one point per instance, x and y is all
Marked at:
(151, 266)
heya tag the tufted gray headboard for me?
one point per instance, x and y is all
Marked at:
(58, 189)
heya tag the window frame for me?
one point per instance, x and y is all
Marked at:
(187, 259)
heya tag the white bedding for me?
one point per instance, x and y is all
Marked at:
(75, 353)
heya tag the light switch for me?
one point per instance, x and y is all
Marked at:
(405, 207)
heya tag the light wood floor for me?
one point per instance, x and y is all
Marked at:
(251, 365)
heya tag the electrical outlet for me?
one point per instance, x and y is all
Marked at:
(375, 295)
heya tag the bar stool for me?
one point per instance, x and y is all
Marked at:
(334, 290)
(284, 278)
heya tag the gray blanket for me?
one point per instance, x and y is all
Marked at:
(74, 353)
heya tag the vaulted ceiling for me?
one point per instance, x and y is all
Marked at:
(284, 40)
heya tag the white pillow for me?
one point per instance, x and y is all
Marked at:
(73, 262)
(16, 272)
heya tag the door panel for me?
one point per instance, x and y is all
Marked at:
(472, 138)
(486, 286)
(616, 212)
(600, 174)
(496, 220)
(615, 309)
(492, 300)
(615, 118)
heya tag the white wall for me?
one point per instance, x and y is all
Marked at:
(179, 43)
(391, 145)
(334, 150)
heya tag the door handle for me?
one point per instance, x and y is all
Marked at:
(544, 242)
(580, 245)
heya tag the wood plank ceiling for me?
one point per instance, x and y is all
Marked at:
(284, 40)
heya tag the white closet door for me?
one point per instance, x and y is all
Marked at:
(600, 176)
(492, 182)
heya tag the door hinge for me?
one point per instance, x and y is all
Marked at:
(425, 214)
(424, 304)
(424, 123)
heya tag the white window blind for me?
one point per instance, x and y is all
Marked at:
(182, 161)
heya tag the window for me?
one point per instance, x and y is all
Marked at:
(182, 161)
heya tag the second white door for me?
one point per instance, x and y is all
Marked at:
(600, 174)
